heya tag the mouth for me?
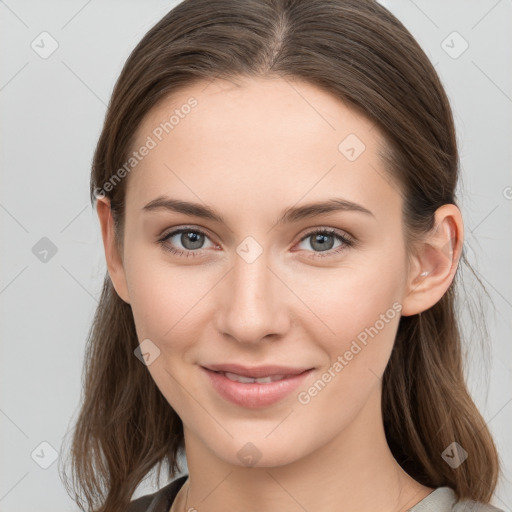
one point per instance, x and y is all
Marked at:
(257, 372)
(249, 380)
(255, 391)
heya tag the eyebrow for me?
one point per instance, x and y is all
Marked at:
(290, 215)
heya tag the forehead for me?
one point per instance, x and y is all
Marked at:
(260, 107)
(258, 140)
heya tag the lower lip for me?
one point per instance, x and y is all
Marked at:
(254, 395)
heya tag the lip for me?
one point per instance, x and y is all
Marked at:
(255, 395)
(256, 371)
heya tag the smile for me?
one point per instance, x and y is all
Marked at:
(253, 392)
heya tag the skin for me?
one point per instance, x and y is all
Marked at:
(249, 152)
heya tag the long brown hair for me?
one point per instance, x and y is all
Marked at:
(360, 53)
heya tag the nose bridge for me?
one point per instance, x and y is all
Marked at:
(253, 306)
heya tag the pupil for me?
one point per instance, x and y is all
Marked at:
(193, 238)
(321, 240)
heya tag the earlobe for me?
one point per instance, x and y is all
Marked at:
(113, 259)
(435, 261)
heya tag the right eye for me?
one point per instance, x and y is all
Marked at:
(191, 240)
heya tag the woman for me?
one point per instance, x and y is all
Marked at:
(275, 184)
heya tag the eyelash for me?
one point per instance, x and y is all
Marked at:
(347, 242)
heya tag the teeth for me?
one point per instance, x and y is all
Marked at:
(248, 380)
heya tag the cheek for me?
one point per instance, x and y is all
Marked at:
(166, 302)
(364, 324)
(359, 310)
(165, 299)
(352, 297)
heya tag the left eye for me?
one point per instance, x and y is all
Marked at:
(193, 239)
(320, 240)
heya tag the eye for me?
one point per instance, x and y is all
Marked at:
(322, 239)
(191, 239)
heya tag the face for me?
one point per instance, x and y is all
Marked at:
(320, 292)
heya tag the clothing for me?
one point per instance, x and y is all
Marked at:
(159, 501)
(441, 499)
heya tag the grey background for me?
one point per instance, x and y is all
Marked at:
(52, 111)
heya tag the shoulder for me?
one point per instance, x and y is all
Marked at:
(159, 501)
(443, 499)
(474, 506)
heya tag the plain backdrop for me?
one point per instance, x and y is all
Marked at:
(52, 261)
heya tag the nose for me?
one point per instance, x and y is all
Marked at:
(253, 302)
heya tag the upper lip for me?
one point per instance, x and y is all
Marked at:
(256, 371)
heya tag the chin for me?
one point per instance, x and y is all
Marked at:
(258, 453)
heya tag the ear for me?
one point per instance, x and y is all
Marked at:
(434, 262)
(113, 258)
